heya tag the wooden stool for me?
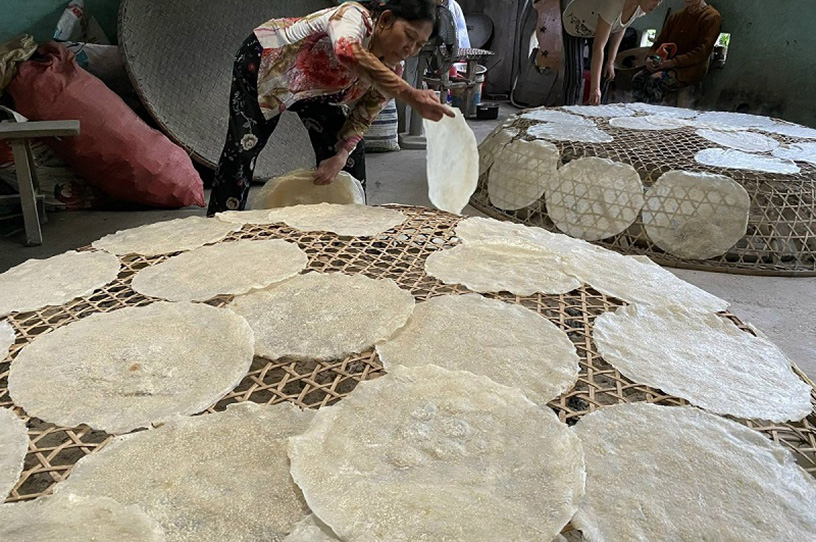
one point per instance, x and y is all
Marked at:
(19, 135)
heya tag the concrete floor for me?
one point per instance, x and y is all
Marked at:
(782, 308)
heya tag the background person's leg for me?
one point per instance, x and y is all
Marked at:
(666, 84)
(639, 82)
(653, 87)
(573, 69)
(605, 90)
(247, 134)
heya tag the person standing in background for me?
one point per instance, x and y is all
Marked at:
(694, 30)
(461, 26)
(605, 21)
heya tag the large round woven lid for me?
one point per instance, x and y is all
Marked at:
(632, 59)
(480, 29)
(179, 55)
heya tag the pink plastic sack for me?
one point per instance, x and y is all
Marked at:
(116, 151)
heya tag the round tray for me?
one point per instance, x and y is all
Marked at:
(781, 235)
(179, 57)
(398, 254)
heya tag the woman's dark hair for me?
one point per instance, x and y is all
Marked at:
(409, 10)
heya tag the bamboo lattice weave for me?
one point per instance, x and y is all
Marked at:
(781, 234)
(398, 254)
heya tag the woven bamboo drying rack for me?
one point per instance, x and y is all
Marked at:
(781, 236)
(398, 254)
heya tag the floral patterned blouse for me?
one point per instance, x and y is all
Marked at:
(322, 54)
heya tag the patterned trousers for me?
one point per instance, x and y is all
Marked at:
(249, 132)
(573, 59)
(653, 87)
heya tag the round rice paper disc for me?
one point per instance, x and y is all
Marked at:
(7, 338)
(607, 111)
(800, 152)
(166, 237)
(69, 518)
(253, 216)
(478, 229)
(311, 529)
(624, 277)
(521, 173)
(324, 316)
(13, 449)
(569, 132)
(663, 110)
(492, 145)
(696, 215)
(742, 141)
(703, 358)
(35, 284)
(715, 126)
(678, 473)
(509, 344)
(556, 117)
(208, 271)
(737, 120)
(348, 220)
(453, 162)
(133, 367)
(595, 198)
(458, 457)
(501, 266)
(734, 159)
(790, 130)
(221, 476)
(648, 123)
(298, 188)
(633, 281)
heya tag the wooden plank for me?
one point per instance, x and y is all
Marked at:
(49, 128)
(550, 37)
(28, 199)
(35, 181)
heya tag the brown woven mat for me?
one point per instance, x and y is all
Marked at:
(399, 255)
(781, 236)
(179, 56)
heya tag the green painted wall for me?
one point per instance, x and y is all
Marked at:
(771, 63)
(39, 17)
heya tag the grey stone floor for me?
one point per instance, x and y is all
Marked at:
(783, 308)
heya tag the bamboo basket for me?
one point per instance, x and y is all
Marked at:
(781, 236)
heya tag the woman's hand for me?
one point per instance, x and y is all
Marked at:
(595, 97)
(609, 71)
(427, 104)
(329, 168)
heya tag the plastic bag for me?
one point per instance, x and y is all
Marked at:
(115, 151)
(77, 25)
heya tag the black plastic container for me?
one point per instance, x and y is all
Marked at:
(487, 111)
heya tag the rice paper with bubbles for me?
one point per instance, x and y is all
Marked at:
(452, 162)
(475, 457)
(679, 473)
(522, 171)
(13, 448)
(696, 215)
(702, 357)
